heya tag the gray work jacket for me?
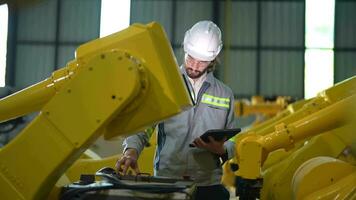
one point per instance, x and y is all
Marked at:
(214, 109)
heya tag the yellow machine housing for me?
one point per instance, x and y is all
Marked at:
(116, 85)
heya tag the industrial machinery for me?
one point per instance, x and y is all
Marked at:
(272, 113)
(309, 153)
(116, 85)
(260, 107)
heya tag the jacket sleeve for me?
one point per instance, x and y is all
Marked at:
(230, 123)
(138, 142)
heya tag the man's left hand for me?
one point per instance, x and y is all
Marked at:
(214, 146)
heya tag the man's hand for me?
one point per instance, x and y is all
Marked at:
(214, 146)
(129, 159)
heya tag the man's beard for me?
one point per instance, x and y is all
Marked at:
(194, 74)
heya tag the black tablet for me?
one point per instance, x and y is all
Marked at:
(219, 134)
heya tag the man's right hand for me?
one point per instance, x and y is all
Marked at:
(129, 159)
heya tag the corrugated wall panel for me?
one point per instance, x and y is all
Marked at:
(34, 63)
(51, 46)
(260, 28)
(243, 24)
(345, 24)
(282, 24)
(345, 65)
(282, 73)
(145, 11)
(179, 53)
(77, 19)
(239, 54)
(32, 25)
(345, 40)
(188, 13)
(175, 16)
(241, 73)
(65, 54)
(252, 36)
(282, 70)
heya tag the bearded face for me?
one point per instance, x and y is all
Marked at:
(195, 68)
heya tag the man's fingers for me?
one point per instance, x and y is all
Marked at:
(196, 143)
(211, 139)
(118, 164)
(126, 165)
(199, 142)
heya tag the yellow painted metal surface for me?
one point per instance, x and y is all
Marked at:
(324, 126)
(304, 108)
(278, 177)
(343, 189)
(115, 85)
(164, 79)
(34, 97)
(146, 158)
(324, 172)
(259, 106)
(88, 163)
(89, 166)
(341, 113)
(228, 177)
(274, 157)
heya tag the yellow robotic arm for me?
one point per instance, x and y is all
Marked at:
(323, 126)
(253, 150)
(116, 85)
(259, 106)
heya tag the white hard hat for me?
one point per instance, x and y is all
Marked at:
(203, 41)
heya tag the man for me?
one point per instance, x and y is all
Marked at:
(213, 110)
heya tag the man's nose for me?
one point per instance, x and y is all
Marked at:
(195, 64)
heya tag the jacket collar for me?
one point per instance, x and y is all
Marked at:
(210, 78)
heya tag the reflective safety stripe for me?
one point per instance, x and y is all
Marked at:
(216, 101)
(232, 139)
(149, 131)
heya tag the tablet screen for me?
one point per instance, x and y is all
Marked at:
(218, 134)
